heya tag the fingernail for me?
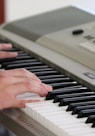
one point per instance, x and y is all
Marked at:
(15, 53)
(37, 80)
(8, 44)
(49, 87)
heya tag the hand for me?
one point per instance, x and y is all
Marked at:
(6, 54)
(18, 81)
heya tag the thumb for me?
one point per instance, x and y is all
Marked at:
(21, 103)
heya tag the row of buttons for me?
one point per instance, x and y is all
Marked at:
(81, 31)
(88, 46)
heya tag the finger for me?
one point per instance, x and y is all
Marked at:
(21, 73)
(5, 46)
(28, 86)
(4, 54)
(47, 87)
(8, 80)
(21, 103)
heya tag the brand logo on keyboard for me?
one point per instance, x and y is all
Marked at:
(90, 75)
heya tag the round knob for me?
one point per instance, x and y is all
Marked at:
(77, 32)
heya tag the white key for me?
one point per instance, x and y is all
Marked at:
(57, 120)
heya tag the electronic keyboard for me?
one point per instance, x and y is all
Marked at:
(59, 47)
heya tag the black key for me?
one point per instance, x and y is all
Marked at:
(52, 76)
(24, 61)
(22, 65)
(73, 105)
(62, 85)
(3, 41)
(14, 49)
(45, 73)
(18, 62)
(59, 97)
(22, 54)
(93, 125)
(79, 108)
(67, 101)
(54, 93)
(41, 69)
(36, 67)
(90, 119)
(86, 113)
(6, 60)
(57, 80)
(22, 57)
(17, 58)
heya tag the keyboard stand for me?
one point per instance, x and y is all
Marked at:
(20, 124)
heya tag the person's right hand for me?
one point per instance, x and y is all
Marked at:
(18, 81)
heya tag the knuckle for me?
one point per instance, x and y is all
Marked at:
(26, 72)
(1, 46)
(23, 71)
(28, 84)
(33, 75)
(8, 53)
(2, 54)
(8, 93)
(22, 103)
(3, 79)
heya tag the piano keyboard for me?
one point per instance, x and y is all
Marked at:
(69, 110)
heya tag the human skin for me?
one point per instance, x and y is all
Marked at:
(6, 54)
(18, 81)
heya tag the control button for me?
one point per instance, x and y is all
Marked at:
(88, 37)
(77, 32)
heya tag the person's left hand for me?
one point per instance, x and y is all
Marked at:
(4, 53)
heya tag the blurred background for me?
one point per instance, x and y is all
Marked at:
(11, 10)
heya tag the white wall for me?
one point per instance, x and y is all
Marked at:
(16, 9)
